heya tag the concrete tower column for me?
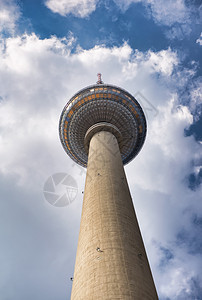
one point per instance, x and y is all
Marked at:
(111, 261)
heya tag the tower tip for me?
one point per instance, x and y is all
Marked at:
(99, 78)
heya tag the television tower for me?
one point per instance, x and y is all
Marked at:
(103, 127)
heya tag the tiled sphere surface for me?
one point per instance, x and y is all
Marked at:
(102, 103)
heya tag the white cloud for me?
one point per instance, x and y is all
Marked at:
(199, 40)
(79, 8)
(167, 13)
(171, 12)
(196, 98)
(163, 61)
(39, 76)
(179, 284)
(9, 15)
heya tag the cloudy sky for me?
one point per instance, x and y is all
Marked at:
(49, 49)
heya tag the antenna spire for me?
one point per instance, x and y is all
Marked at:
(99, 78)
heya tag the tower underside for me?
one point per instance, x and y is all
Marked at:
(97, 104)
(111, 261)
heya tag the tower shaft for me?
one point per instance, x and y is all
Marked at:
(111, 261)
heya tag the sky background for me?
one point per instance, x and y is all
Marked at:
(50, 49)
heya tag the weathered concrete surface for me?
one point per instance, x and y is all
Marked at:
(120, 269)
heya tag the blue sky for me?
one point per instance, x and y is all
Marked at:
(48, 51)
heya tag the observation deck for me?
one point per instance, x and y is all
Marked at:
(102, 107)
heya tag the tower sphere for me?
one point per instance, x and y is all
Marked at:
(102, 107)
